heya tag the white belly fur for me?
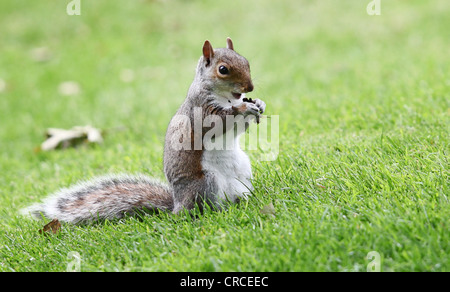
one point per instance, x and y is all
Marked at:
(232, 170)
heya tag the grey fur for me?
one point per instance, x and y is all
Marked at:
(189, 182)
(105, 197)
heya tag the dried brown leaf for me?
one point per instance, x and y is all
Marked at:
(53, 226)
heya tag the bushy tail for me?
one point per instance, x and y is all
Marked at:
(106, 197)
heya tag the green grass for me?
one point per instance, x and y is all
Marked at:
(363, 103)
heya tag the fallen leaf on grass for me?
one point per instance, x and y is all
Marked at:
(321, 186)
(53, 226)
(69, 138)
(2, 85)
(268, 210)
(41, 54)
(69, 88)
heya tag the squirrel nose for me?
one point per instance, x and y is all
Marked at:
(249, 87)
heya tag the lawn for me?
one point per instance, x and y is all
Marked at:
(363, 104)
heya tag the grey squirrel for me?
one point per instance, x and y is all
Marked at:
(196, 174)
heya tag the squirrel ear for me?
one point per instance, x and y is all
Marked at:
(208, 52)
(230, 44)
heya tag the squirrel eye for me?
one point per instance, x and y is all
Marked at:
(223, 70)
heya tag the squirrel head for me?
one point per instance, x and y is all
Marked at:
(224, 71)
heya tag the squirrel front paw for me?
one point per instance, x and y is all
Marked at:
(259, 103)
(251, 107)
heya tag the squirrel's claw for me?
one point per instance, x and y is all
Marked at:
(254, 110)
(261, 105)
